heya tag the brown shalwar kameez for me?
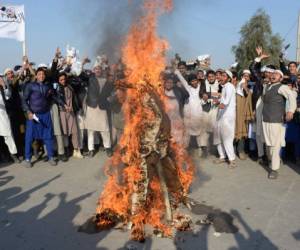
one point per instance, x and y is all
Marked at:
(68, 119)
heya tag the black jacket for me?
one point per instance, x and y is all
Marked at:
(258, 88)
(181, 97)
(75, 102)
(97, 98)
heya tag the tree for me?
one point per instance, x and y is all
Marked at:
(257, 32)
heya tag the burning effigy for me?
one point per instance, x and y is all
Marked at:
(149, 174)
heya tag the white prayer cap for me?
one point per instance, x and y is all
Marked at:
(278, 72)
(96, 64)
(203, 57)
(263, 69)
(269, 70)
(234, 65)
(42, 65)
(229, 73)
(246, 71)
(7, 70)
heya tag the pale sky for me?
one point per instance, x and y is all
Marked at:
(195, 27)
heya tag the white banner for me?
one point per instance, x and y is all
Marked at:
(12, 22)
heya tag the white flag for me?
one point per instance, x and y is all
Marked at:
(12, 22)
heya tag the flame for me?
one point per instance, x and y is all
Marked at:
(144, 56)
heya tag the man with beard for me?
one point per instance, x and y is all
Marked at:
(210, 108)
(274, 98)
(225, 125)
(14, 109)
(97, 119)
(5, 127)
(261, 76)
(244, 114)
(175, 99)
(193, 114)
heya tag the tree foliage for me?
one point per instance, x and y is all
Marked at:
(257, 32)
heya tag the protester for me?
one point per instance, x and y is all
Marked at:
(5, 128)
(175, 100)
(273, 118)
(224, 129)
(96, 118)
(261, 77)
(244, 114)
(36, 103)
(193, 117)
(14, 109)
(67, 115)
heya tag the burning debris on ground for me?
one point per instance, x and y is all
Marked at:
(157, 172)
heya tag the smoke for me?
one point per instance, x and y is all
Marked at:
(107, 25)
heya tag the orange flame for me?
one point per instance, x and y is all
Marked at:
(144, 56)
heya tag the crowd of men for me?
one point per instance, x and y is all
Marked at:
(58, 112)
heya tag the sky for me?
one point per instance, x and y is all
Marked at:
(194, 27)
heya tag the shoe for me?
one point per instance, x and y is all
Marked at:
(242, 156)
(77, 154)
(62, 158)
(91, 154)
(263, 161)
(67, 152)
(36, 153)
(219, 161)
(15, 158)
(45, 159)
(273, 175)
(27, 164)
(109, 152)
(204, 153)
(52, 162)
(232, 164)
(200, 153)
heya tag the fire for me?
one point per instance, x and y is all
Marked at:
(133, 191)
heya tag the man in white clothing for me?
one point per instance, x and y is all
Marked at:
(225, 125)
(5, 127)
(193, 114)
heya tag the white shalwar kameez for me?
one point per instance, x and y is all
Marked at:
(212, 114)
(193, 114)
(225, 125)
(5, 128)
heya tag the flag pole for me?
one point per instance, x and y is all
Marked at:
(24, 48)
(24, 41)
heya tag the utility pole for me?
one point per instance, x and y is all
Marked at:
(298, 41)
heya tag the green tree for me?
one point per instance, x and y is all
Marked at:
(254, 33)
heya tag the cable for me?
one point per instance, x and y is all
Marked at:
(292, 27)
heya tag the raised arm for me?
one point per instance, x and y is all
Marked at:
(183, 82)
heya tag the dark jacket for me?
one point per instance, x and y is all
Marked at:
(258, 88)
(97, 98)
(181, 97)
(75, 102)
(202, 88)
(37, 97)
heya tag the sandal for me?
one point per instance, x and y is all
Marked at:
(219, 161)
(232, 164)
(273, 175)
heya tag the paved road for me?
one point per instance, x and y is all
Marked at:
(41, 208)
